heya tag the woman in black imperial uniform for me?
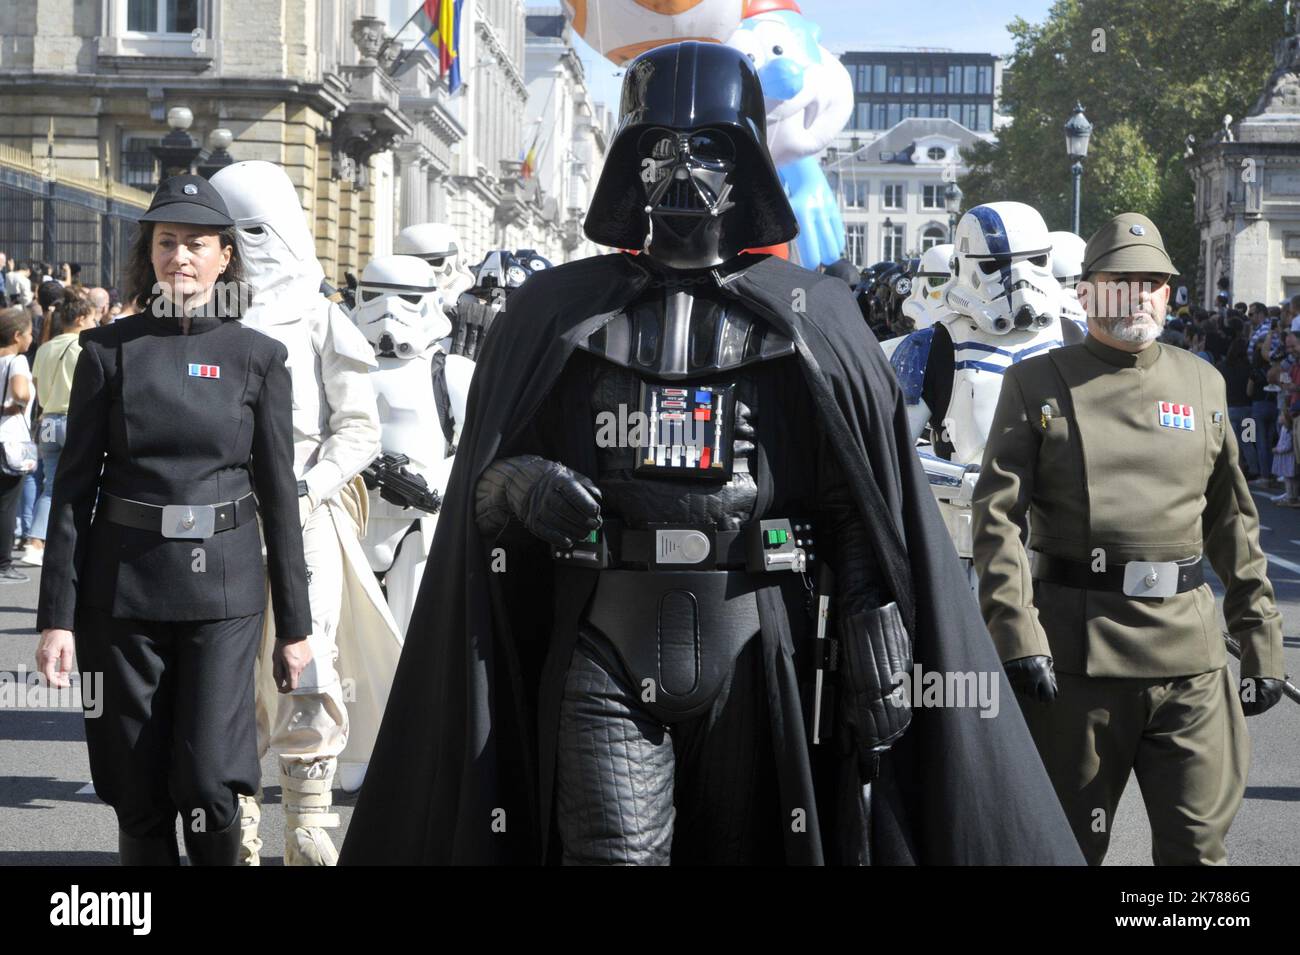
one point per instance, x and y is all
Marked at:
(156, 563)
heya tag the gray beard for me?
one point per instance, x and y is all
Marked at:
(1132, 332)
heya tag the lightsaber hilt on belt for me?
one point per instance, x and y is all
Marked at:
(825, 583)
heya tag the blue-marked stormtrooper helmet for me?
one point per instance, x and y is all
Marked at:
(1002, 269)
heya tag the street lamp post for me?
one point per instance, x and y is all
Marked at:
(178, 150)
(952, 197)
(1077, 133)
(889, 237)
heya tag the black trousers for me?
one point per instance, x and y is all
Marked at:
(631, 790)
(11, 499)
(176, 729)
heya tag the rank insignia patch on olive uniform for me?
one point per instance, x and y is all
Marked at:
(1173, 415)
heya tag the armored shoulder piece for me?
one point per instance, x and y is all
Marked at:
(672, 333)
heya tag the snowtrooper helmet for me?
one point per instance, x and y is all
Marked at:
(925, 305)
(1002, 269)
(438, 244)
(275, 244)
(399, 307)
(1067, 267)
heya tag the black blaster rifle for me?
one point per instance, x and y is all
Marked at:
(399, 486)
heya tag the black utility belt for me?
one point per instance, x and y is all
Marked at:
(1136, 578)
(194, 521)
(762, 546)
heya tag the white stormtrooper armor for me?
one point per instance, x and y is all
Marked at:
(400, 312)
(1067, 268)
(354, 641)
(926, 304)
(1004, 306)
(439, 245)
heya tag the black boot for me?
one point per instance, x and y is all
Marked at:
(213, 848)
(148, 850)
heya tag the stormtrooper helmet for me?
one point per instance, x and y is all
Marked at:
(925, 305)
(399, 307)
(1067, 267)
(1002, 269)
(275, 244)
(438, 244)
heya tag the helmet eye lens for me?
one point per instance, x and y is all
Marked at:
(437, 260)
(708, 147)
(712, 147)
(1039, 261)
(368, 296)
(411, 299)
(989, 266)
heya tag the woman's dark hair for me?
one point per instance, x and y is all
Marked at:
(72, 311)
(49, 294)
(1237, 353)
(139, 280)
(12, 322)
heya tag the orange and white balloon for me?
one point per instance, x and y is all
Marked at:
(624, 29)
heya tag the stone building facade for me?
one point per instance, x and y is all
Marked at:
(1248, 193)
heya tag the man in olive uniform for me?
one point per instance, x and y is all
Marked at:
(1118, 455)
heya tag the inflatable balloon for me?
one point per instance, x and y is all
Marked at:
(622, 29)
(810, 97)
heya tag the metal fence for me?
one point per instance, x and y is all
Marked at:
(53, 217)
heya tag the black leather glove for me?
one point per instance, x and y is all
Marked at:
(1259, 693)
(554, 503)
(1032, 677)
(875, 661)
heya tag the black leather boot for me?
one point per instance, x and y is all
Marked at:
(213, 848)
(148, 850)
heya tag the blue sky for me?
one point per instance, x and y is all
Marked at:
(962, 25)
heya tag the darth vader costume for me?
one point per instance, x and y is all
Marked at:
(624, 669)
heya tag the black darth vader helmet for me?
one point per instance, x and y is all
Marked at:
(692, 145)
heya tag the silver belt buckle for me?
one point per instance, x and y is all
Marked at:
(1144, 578)
(196, 521)
(673, 546)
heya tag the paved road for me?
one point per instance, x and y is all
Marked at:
(49, 816)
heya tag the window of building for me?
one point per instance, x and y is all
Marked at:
(893, 195)
(878, 78)
(855, 193)
(932, 236)
(894, 114)
(891, 243)
(1293, 245)
(862, 83)
(954, 79)
(855, 243)
(137, 166)
(878, 116)
(909, 78)
(984, 120)
(932, 196)
(937, 153)
(940, 79)
(985, 79)
(968, 79)
(923, 110)
(162, 16)
(862, 116)
(909, 110)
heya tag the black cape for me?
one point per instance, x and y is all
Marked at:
(463, 768)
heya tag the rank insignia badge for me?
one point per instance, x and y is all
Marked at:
(689, 430)
(1173, 415)
(205, 371)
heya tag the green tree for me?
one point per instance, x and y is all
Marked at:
(1149, 73)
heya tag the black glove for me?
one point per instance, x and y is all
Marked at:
(875, 661)
(554, 503)
(1259, 693)
(1032, 677)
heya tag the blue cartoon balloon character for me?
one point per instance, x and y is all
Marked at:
(810, 98)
